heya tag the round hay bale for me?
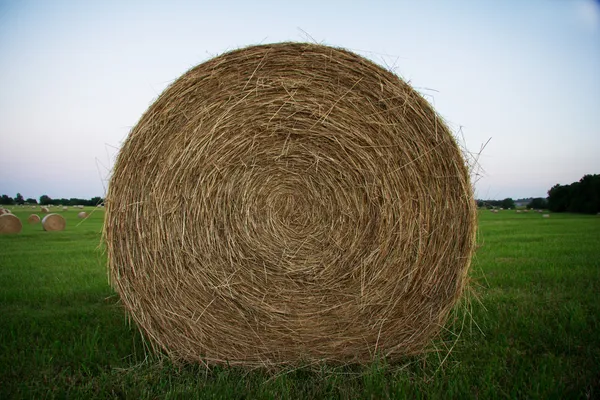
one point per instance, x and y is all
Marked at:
(33, 219)
(45, 210)
(318, 210)
(54, 222)
(9, 223)
(82, 215)
(65, 208)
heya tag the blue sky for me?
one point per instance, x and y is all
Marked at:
(75, 76)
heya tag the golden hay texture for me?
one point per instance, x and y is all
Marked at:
(82, 215)
(45, 210)
(289, 203)
(33, 219)
(9, 223)
(54, 222)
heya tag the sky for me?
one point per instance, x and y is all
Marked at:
(521, 76)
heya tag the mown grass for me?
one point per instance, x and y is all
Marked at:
(532, 330)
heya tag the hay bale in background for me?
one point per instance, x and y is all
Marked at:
(9, 223)
(45, 210)
(65, 208)
(82, 215)
(33, 219)
(318, 210)
(54, 222)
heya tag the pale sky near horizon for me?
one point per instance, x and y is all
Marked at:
(75, 77)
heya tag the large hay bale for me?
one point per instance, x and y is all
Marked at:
(54, 222)
(45, 210)
(33, 219)
(9, 223)
(289, 203)
(82, 215)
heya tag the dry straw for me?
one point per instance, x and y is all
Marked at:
(45, 210)
(82, 215)
(9, 223)
(33, 219)
(54, 222)
(289, 203)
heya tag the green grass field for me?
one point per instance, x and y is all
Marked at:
(533, 330)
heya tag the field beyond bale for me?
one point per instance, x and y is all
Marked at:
(532, 331)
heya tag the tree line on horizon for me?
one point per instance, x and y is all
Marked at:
(578, 197)
(46, 200)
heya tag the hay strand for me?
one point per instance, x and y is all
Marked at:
(289, 203)
(10, 224)
(54, 222)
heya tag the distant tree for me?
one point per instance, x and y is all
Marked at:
(559, 197)
(585, 195)
(45, 200)
(19, 199)
(94, 201)
(31, 201)
(539, 203)
(578, 197)
(7, 201)
(507, 203)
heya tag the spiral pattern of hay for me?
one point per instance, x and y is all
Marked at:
(9, 223)
(54, 222)
(33, 219)
(289, 203)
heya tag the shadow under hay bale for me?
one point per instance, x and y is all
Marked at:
(317, 210)
(54, 222)
(9, 223)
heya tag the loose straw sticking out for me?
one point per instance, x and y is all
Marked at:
(33, 219)
(54, 222)
(289, 203)
(9, 223)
